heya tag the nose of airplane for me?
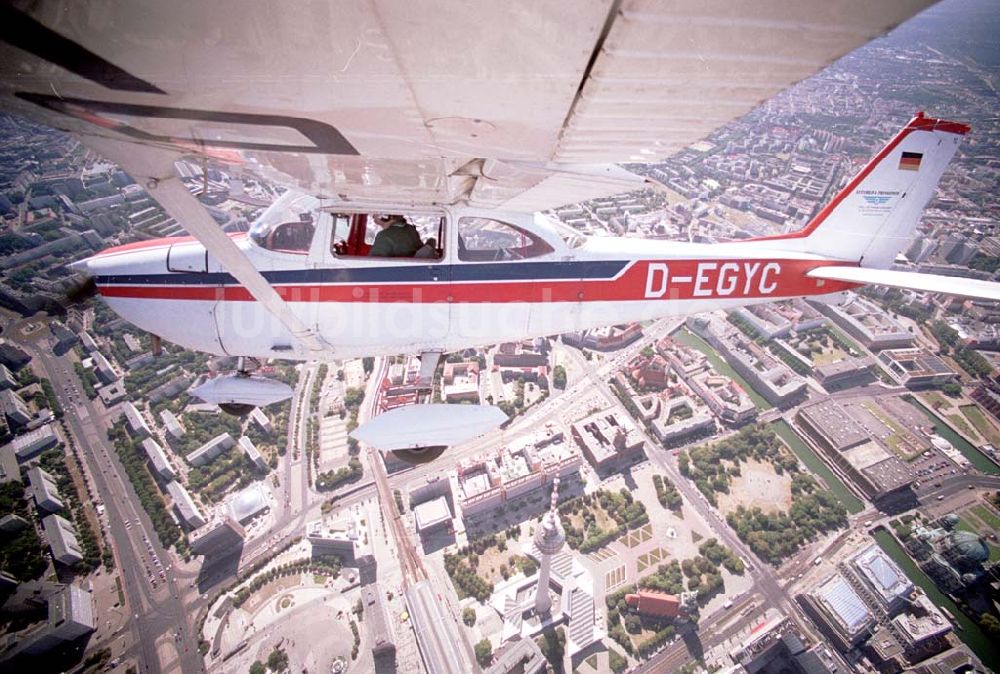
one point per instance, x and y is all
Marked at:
(81, 266)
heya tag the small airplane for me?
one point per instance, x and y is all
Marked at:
(469, 149)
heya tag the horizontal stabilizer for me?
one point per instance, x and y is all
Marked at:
(932, 283)
(428, 425)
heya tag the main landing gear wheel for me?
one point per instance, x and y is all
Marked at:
(419, 454)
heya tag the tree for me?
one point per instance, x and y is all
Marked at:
(484, 653)
(469, 616)
(559, 377)
(951, 388)
(257, 667)
(277, 661)
(990, 623)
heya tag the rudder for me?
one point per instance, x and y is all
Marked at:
(873, 218)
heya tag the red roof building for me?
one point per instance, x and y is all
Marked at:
(653, 603)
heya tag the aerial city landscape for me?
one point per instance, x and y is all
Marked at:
(797, 486)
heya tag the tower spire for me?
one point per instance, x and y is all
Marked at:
(549, 539)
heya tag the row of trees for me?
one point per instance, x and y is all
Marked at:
(133, 459)
(328, 565)
(744, 326)
(21, 553)
(53, 462)
(969, 359)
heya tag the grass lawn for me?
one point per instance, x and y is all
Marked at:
(987, 516)
(490, 561)
(961, 424)
(641, 535)
(935, 399)
(899, 441)
(965, 524)
(833, 354)
(982, 424)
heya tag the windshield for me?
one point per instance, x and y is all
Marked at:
(573, 238)
(287, 224)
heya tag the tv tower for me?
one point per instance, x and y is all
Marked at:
(549, 539)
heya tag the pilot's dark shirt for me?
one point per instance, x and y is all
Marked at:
(396, 240)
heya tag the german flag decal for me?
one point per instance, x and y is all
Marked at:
(910, 161)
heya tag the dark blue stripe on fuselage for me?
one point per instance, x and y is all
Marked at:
(410, 273)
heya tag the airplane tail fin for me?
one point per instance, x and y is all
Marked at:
(873, 218)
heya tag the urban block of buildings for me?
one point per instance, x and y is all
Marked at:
(609, 440)
(849, 435)
(770, 377)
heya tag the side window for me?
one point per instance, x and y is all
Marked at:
(483, 239)
(413, 236)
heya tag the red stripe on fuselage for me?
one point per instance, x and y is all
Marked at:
(667, 280)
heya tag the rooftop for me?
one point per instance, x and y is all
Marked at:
(883, 574)
(843, 604)
(430, 514)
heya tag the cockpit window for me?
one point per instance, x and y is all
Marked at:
(483, 239)
(287, 225)
(284, 237)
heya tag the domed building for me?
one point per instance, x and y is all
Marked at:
(965, 550)
(952, 557)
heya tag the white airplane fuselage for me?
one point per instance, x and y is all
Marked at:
(379, 306)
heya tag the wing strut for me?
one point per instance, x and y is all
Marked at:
(154, 167)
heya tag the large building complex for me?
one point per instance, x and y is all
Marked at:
(483, 484)
(31, 443)
(915, 368)
(851, 437)
(770, 377)
(609, 440)
(952, 557)
(62, 540)
(868, 323)
(871, 592)
(219, 538)
(137, 425)
(839, 607)
(44, 491)
(211, 449)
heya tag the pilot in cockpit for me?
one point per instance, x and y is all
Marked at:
(398, 238)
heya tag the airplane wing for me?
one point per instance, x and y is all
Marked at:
(909, 280)
(520, 105)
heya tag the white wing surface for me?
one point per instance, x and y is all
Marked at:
(418, 101)
(932, 283)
